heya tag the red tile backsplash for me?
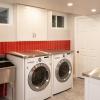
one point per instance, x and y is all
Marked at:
(30, 45)
(1, 48)
(33, 45)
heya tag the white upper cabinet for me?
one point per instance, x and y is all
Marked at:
(7, 23)
(31, 23)
(57, 26)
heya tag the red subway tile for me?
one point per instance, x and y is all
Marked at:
(33, 45)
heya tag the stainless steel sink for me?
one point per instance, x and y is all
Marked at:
(7, 74)
(7, 71)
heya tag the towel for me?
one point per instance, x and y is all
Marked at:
(3, 89)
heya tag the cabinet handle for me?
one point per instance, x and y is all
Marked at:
(34, 35)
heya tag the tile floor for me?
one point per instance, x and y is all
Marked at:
(77, 93)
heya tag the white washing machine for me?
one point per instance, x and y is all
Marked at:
(62, 73)
(33, 81)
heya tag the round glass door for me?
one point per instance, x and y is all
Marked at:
(39, 77)
(63, 70)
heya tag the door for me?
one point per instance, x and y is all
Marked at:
(31, 23)
(86, 44)
(39, 77)
(63, 70)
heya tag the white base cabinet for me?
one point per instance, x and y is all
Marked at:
(92, 89)
(31, 23)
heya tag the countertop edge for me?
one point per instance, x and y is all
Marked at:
(95, 74)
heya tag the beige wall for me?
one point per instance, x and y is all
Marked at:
(71, 29)
(7, 31)
(71, 36)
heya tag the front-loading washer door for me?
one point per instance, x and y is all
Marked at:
(63, 70)
(39, 77)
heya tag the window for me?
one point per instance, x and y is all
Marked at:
(53, 21)
(4, 15)
(58, 21)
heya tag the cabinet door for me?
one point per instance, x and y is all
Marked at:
(57, 26)
(31, 23)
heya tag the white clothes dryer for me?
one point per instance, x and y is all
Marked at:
(62, 70)
(33, 81)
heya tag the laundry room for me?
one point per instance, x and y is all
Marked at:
(49, 50)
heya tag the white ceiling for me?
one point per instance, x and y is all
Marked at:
(81, 7)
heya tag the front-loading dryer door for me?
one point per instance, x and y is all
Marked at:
(63, 70)
(39, 77)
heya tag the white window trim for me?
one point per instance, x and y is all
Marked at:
(65, 20)
(10, 7)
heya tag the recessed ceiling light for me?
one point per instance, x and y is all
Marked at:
(93, 10)
(69, 4)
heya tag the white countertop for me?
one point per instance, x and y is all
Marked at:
(95, 73)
